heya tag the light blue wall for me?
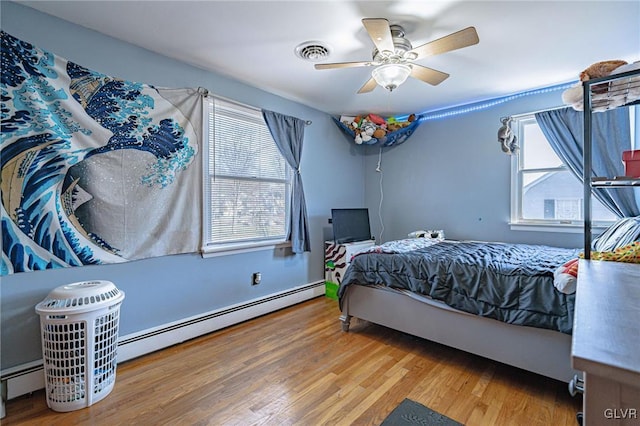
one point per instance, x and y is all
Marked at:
(452, 175)
(170, 288)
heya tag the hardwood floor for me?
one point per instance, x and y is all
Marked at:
(296, 367)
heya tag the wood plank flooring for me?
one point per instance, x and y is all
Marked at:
(296, 367)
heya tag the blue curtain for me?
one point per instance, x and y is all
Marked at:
(288, 133)
(563, 129)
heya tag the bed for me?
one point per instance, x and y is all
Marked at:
(496, 300)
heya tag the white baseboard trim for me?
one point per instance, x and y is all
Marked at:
(23, 378)
(150, 340)
(27, 378)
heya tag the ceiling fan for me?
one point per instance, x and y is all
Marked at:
(394, 56)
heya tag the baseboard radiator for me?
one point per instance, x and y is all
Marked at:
(29, 377)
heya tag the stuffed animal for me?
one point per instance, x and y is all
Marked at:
(565, 277)
(376, 119)
(507, 137)
(379, 133)
(367, 129)
(601, 69)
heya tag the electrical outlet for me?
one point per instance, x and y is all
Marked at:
(255, 278)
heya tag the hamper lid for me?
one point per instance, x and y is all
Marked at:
(80, 297)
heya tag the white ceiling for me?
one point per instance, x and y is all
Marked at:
(523, 44)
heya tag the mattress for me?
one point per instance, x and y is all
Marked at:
(512, 283)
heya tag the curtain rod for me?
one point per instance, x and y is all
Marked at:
(540, 110)
(207, 94)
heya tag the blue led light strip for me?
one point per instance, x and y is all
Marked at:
(462, 109)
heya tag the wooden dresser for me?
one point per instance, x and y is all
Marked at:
(606, 341)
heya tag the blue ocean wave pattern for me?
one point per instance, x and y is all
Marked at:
(56, 114)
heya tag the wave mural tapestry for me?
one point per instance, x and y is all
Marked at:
(95, 170)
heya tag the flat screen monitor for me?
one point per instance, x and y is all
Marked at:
(350, 225)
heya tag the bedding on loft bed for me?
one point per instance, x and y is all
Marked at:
(512, 283)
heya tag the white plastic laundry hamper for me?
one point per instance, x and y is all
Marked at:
(79, 329)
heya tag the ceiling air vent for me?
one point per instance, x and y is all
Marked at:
(313, 51)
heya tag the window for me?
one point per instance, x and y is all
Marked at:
(247, 181)
(544, 190)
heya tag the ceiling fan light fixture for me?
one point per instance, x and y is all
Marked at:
(390, 76)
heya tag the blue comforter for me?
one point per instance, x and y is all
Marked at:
(508, 282)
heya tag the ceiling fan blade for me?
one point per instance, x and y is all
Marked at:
(380, 33)
(343, 65)
(457, 40)
(368, 86)
(428, 75)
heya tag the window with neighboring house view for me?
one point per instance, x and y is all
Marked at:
(544, 190)
(247, 181)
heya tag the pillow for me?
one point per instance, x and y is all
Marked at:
(622, 233)
(565, 277)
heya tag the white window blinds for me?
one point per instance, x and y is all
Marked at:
(247, 182)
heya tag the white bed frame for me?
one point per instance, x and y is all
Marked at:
(541, 351)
